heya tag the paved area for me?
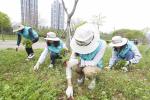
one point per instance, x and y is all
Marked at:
(12, 44)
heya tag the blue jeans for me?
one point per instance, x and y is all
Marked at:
(53, 57)
(129, 56)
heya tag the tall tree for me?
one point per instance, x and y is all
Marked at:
(69, 16)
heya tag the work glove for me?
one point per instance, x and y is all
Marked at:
(69, 92)
(127, 63)
(17, 47)
(107, 68)
(125, 69)
(36, 67)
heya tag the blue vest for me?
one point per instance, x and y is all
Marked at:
(122, 54)
(26, 35)
(90, 56)
(57, 49)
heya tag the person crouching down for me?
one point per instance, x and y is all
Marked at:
(54, 46)
(30, 37)
(90, 49)
(123, 49)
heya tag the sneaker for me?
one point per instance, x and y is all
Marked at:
(80, 81)
(125, 69)
(91, 86)
(50, 66)
(31, 56)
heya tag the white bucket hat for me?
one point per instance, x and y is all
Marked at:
(118, 41)
(51, 36)
(18, 28)
(85, 39)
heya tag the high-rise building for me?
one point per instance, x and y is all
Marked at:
(57, 15)
(29, 12)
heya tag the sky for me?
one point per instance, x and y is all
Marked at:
(131, 14)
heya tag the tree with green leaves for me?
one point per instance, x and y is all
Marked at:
(130, 34)
(5, 23)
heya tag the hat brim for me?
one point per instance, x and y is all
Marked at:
(85, 49)
(16, 30)
(52, 39)
(124, 41)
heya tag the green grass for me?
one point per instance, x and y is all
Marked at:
(18, 81)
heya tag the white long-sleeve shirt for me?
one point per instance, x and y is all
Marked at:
(74, 61)
(44, 54)
(136, 59)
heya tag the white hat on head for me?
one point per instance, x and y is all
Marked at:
(85, 39)
(118, 41)
(51, 36)
(18, 28)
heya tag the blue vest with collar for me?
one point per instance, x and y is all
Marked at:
(57, 49)
(124, 51)
(25, 33)
(90, 56)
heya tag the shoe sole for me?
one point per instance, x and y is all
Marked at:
(31, 57)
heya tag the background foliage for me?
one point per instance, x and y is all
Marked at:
(5, 24)
(130, 34)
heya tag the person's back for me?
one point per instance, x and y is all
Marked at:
(28, 33)
(30, 37)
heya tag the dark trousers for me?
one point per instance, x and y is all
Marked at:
(35, 39)
(129, 56)
(53, 57)
(30, 50)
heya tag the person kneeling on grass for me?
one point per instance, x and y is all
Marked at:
(54, 46)
(30, 37)
(90, 49)
(123, 49)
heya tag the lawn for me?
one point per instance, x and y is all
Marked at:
(18, 81)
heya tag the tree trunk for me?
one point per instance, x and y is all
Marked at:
(68, 37)
(68, 28)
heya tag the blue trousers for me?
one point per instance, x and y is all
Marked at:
(129, 56)
(53, 57)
